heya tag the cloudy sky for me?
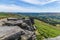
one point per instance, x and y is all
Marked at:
(29, 5)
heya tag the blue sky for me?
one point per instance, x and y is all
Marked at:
(29, 5)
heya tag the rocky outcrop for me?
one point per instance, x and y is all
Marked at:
(17, 29)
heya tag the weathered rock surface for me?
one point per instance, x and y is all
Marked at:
(55, 38)
(6, 32)
(16, 29)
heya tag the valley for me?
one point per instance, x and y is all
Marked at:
(47, 24)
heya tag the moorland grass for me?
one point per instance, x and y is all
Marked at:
(45, 30)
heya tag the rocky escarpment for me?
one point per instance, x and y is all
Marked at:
(17, 29)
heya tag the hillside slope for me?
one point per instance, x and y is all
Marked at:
(45, 30)
(7, 15)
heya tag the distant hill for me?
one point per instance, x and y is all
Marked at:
(51, 18)
(6, 15)
(40, 14)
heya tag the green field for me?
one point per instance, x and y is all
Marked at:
(7, 15)
(45, 30)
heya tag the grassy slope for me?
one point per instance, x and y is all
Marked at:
(6, 15)
(45, 30)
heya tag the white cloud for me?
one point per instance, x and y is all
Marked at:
(14, 8)
(58, 1)
(37, 2)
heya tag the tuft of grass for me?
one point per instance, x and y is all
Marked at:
(45, 30)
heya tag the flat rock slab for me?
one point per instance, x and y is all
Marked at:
(56, 38)
(6, 31)
(14, 22)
